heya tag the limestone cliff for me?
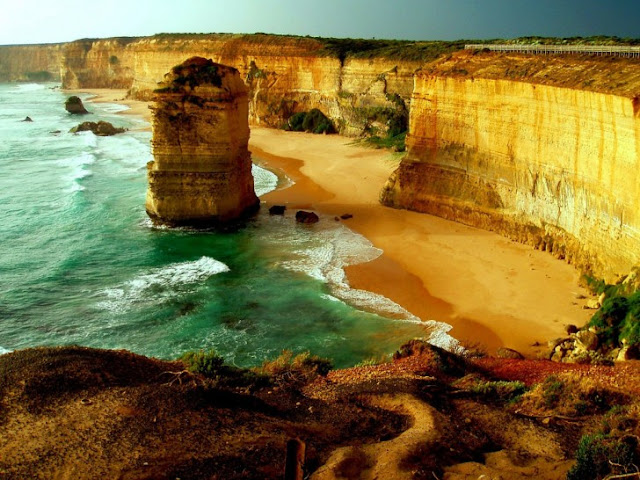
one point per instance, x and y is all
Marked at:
(284, 74)
(30, 63)
(543, 150)
(201, 173)
(99, 64)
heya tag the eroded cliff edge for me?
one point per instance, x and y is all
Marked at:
(541, 149)
(284, 74)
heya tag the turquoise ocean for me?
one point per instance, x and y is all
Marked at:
(81, 264)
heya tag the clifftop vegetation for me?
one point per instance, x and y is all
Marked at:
(343, 48)
(200, 417)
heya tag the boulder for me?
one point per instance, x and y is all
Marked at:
(586, 340)
(570, 329)
(593, 304)
(74, 106)
(306, 217)
(277, 210)
(102, 129)
(629, 353)
(552, 344)
(557, 355)
(504, 352)
(346, 216)
(27, 119)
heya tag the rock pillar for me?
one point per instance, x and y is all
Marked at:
(201, 173)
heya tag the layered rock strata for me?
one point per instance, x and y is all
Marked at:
(545, 151)
(285, 75)
(36, 63)
(201, 173)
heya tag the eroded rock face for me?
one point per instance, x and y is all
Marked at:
(201, 173)
(528, 155)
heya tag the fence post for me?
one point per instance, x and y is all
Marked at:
(293, 469)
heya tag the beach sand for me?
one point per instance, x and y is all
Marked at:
(492, 291)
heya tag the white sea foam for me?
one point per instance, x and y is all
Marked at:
(324, 257)
(160, 283)
(4, 350)
(114, 107)
(264, 181)
(76, 168)
(30, 87)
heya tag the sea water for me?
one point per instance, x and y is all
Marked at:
(80, 263)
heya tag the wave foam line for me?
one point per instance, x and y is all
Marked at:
(160, 283)
(341, 247)
(264, 180)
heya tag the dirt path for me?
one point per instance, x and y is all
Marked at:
(383, 460)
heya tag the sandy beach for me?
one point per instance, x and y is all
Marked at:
(492, 291)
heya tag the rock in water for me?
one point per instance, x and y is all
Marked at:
(277, 210)
(306, 217)
(74, 106)
(201, 173)
(27, 119)
(102, 129)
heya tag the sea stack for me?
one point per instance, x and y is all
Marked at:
(201, 173)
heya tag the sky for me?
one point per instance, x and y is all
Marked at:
(53, 21)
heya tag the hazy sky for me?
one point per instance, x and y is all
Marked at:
(47, 21)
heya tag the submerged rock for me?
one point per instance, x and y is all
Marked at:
(306, 217)
(74, 106)
(277, 210)
(102, 129)
(27, 119)
(201, 173)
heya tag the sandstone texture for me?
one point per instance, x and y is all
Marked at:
(285, 75)
(201, 173)
(30, 62)
(543, 150)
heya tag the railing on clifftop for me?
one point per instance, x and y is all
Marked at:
(616, 50)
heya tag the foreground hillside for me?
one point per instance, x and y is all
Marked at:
(80, 413)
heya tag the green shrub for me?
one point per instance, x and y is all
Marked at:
(291, 370)
(372, 361)
(208, 364)
(113, 60)
(618, 319)
(295, 122)
(314, 121)
(501, 390)
(196, 73)
(552, 389)
(600, 455)
(396, 143)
